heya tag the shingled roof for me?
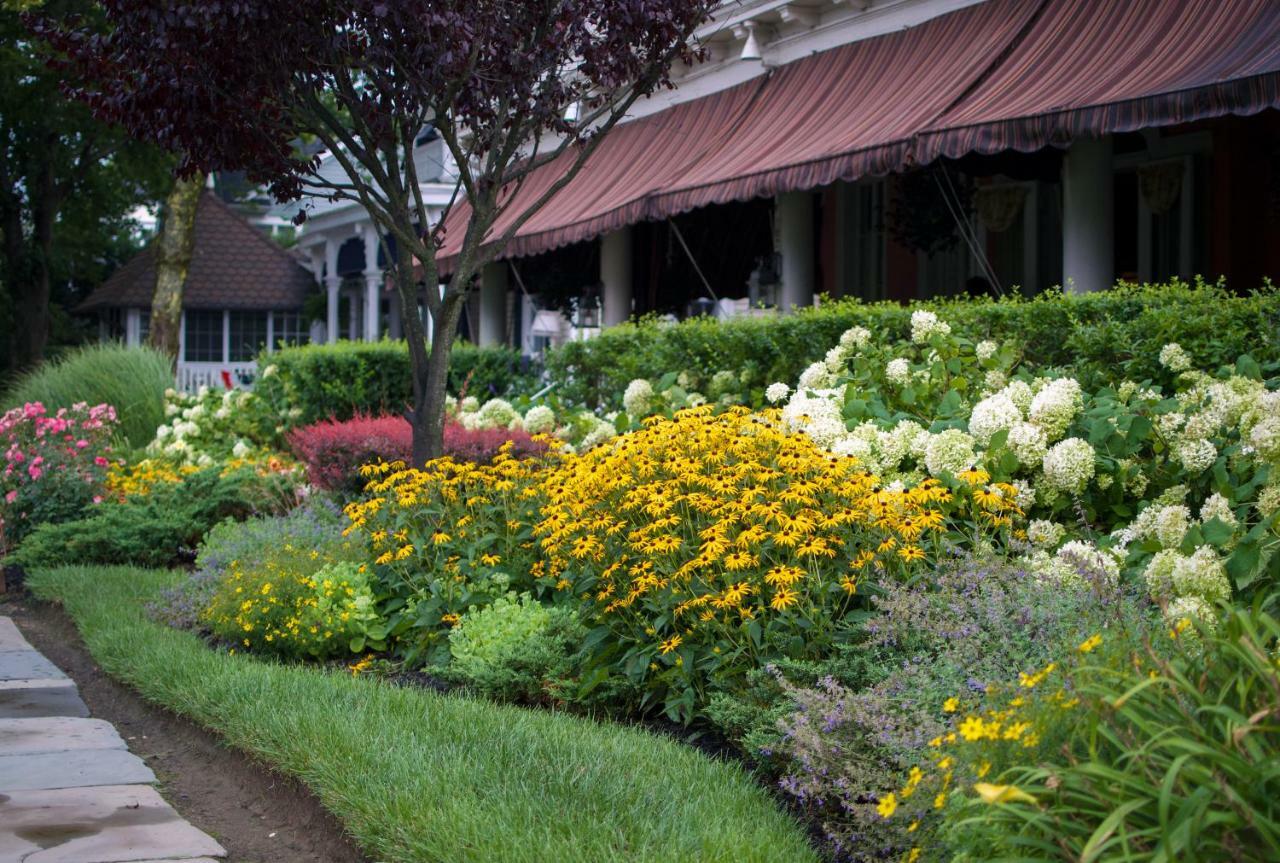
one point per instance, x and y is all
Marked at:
(233, 266)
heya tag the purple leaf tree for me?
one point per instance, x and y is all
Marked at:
(237, 86)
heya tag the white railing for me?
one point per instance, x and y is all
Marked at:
(192, 376)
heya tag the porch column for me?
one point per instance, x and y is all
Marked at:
(615, 276)
(332, 285)
(373, 280)
(795, 242)
(1087, 213)
(493, 304)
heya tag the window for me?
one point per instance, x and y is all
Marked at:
(290, 328)
(248, 335)
(203, 337)
(144, 325)
(864, 263)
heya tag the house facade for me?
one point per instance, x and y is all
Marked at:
(902, 149)
(244, 293)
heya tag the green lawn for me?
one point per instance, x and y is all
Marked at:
(417, 776)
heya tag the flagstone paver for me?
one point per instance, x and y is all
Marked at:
(70, 790)
(56, 734)
(36, 698)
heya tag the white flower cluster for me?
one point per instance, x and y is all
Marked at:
(949, 451)
(1069, 465)
(925, 325)
(817, 376)
(1055, 406)
(1174, 358)
(639, 400)
(993, 414)
(1077, 565)
(776, 393)
(540, 419)
(986, 349)
(818, 414)
(855, 338)
(898, 371)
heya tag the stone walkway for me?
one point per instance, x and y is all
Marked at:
(70, 790)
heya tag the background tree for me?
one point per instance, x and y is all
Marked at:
(68, 183)
(173, 258)
(236, 85)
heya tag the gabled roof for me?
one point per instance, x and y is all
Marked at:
(233, 266)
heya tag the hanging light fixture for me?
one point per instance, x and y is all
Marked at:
(751, 50)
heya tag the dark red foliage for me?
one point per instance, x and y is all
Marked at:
(228, 85)
(333, 451)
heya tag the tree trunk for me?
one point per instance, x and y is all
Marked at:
(173, 260)
(428, 416)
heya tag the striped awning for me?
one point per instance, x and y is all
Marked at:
(998, 75)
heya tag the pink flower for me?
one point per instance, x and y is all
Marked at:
(34, 471)
(81, 444)
(11, 496)
(100, 461)
(97, 498)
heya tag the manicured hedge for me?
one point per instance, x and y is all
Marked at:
(351, 378)
(1102, 336)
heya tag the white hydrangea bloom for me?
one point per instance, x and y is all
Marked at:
(1264, 437)
(851, 446)
(986, 349)
(1069, 465)
(1045, 534)
(684, 380)
(497, 413)
(240, 450)
(1170, 423)
(270, 370)
(1019, 392)
(1056, 405)
(777, 392)
(991, 415)
(925, 325)
(855, 338)
(1268, 500)
(836, 359)
(898, 371)
(818, 414)
(1217, 506)
(723, 382)
(1158, 575)
(816, 377)
(1174, 358)
(696, 400)
(638, 398)
(912, 436)
(1169, 524)
(602, 432)
(1090, 564)
(1028, 443)
(1191, 608)
(1202, 574)
(1026, 497)
(540, 419)
(470, 404)
(994, 381)
(949, 451)
(172, 409)
(1196, 455)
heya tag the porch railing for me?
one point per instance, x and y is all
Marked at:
(192, 376)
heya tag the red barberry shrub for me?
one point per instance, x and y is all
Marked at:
(333, 450)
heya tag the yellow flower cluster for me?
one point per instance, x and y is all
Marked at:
(282, 605)
(704, 535)
(141, 478)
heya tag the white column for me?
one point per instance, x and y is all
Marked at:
(1088, 262)
(493, 304)
(332, 284)
(373, 281)
(795, 241)
(615, 276)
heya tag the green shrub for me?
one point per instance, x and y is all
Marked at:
(514, 648)
(1100, 337)
(311, 383)
(159, 528)
(132, 380)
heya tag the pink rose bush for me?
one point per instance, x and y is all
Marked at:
(53, 466)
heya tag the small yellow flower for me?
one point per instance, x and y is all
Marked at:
(951, 705)
(887, 805)
(1090, 643)
(670, 644)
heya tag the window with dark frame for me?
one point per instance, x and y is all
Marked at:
(290, 328)
(203, 337)
(248, 335)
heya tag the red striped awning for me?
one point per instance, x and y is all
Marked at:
(1092, 67)
(840, 114)
(998, 75)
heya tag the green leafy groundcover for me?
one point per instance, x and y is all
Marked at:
(418, 776)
